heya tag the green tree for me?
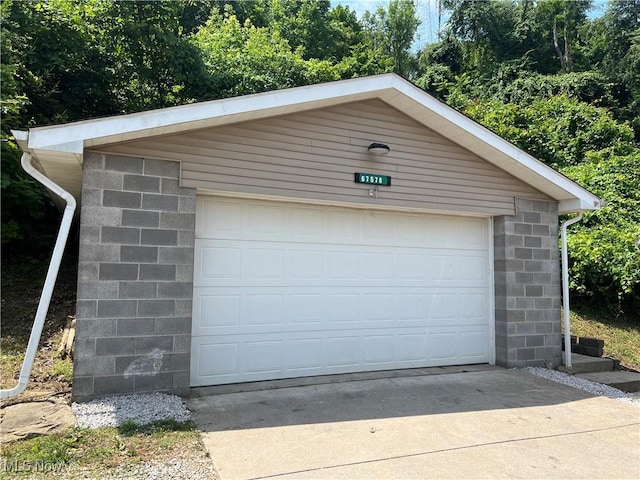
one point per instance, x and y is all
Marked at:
(392, 31)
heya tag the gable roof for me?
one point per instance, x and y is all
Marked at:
(58, 149)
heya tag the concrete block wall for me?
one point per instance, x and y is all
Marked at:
(527, 286)
(135, 278)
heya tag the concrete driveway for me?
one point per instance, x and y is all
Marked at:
(489, 423)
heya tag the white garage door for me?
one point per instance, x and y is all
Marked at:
(288, 290)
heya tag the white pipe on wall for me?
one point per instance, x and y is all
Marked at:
(52, 274)
(565, 289)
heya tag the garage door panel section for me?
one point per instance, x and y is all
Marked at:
(284, 290)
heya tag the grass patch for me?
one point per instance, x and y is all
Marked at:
(621, 334)
(101, 451)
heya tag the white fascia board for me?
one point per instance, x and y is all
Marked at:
(205, 114)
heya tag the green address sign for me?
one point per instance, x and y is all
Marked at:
(372, 179)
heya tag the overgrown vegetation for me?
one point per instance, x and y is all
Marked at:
(562, 85)
(106, 452)
(621, 334)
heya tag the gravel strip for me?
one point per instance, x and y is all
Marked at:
(142, 409)
(586, 385)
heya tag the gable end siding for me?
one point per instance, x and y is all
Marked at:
(313, 155)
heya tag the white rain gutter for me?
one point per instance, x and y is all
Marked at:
(52, 274)
(565, 289)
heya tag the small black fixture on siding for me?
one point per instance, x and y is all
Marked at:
(378, 149)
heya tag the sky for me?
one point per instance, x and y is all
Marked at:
(427, 11)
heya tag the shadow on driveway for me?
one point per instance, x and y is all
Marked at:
(489, 423)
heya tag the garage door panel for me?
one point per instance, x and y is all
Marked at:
(284, 290)
(261, 309)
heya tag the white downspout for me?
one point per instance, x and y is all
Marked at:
(565, 290)
(52, 274)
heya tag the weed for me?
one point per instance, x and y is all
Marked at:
(63, 368)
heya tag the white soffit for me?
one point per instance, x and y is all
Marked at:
(56, 144)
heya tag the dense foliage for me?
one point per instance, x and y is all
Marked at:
(545, 75)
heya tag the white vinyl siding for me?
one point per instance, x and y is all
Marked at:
(313, 155)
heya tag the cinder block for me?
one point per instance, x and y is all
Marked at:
(522, 228)
(116, 198)
(541, 254)
(141, 183)
(525, 328)
(146, 345)
(138, 290)
(122, 235)
(176, 255)
(157, 272)
(161, 168)
(123, 164)
(102, 180)
(533, 242)
(181, 380)
(82, 386)
(165, 203)
(543, 303)
(89, 234)
(140, 218)
(176, 362)
(526, 354)
(186, 238)
(87, 271)
(181, 343)
(114, 384)
(187, 204)
(183, 308)
(532, 217)
(535, 341)
(118, 271)
(533, 265)
(525, 303)
(533, 290)
(136, 327)
(99, 252)
(542, 207)
(544, 327)
(153, 236)
(92, 196)
(117, 308)
(175, 290)
(532, 315)
(86, 308)
(179, 221)
(153, 383)
(170, 186)
(184, 273)
(514, 240)
(91, 366)
(92, 161)
(540, 230)
(103, 327)
(84, 347)
(131, 253)
(173, 325)
(517, 341)
(115, 346)
(101, 216)
(156, 308)
(97, 290)
(524, 205)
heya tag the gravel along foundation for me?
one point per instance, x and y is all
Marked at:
(586, 385)
(142, 409)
